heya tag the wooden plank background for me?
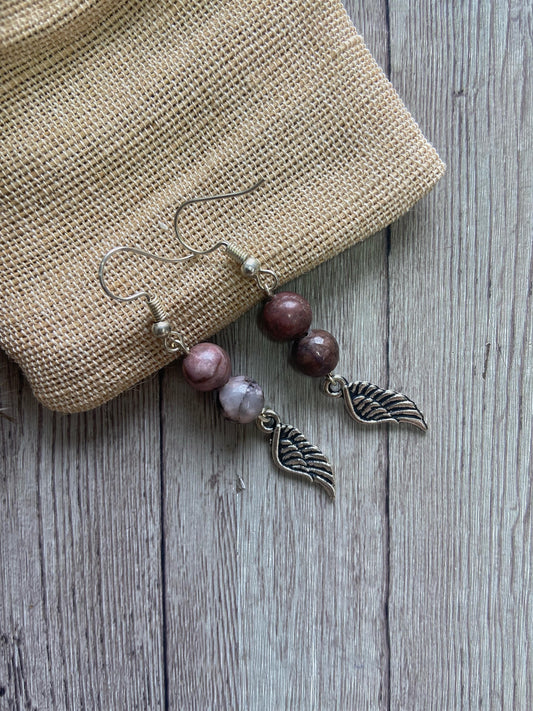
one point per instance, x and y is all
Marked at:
(135, 574)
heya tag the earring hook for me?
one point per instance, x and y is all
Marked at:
(207, 198)
(162, 326)
(142, 253)
(266, 279)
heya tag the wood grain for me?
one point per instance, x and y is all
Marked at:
(461, 599)
(80, 556)
(136, 573)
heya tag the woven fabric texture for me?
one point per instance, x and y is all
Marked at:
(114, 112)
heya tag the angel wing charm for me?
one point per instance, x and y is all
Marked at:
(294, 454)
(368, 404)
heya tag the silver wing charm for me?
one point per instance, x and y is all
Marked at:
(368, 404)
(293, 454)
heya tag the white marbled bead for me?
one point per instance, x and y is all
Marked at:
(241, 399)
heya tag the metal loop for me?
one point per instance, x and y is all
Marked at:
(142, 253)
(207, 198)
(333, 385)
(267, 420)
(262, 283)
(174, 343)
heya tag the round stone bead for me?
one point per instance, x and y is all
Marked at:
(315, 354)
(206, 367)
(241, 399)
(286, 316)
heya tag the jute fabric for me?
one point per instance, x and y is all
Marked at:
(113, 112)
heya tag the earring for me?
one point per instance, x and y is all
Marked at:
(207, 367)
(287, 317)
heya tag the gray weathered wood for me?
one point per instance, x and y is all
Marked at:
(135, 574)
(80, 554)
(461, 603)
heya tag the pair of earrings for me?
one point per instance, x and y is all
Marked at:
(285, 317)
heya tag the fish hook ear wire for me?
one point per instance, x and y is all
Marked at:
(162, 326)
(266, 279)
(207, 367)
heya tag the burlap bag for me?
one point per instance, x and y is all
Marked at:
(113, 112)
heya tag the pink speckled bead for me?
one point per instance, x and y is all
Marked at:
(206, 367)
(286, 316)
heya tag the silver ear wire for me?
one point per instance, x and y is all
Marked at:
(162, 326)
(266, 279)
(142, 253)
(207, 198)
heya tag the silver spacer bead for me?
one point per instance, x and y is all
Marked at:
(251, 267)
(161, 328)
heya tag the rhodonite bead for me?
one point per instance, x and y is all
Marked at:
(206, 367)
(286, 316)
(241, 399)
(315, 354)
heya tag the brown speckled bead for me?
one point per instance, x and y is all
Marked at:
(286, 316)
(315, 354)
(206, 367)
